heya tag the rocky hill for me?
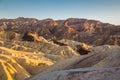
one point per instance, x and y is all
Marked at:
(102, 63)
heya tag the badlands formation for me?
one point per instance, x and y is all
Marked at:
(72, 49)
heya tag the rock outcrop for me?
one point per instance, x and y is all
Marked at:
(100, 57)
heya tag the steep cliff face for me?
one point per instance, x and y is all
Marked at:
(82, 30)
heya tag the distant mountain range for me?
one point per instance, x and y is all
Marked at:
(82, 30)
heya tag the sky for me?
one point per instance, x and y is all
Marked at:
(107, 11)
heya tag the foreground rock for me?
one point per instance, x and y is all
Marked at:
(83, 74)
(11, 70)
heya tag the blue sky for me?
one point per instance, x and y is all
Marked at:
(103, 10)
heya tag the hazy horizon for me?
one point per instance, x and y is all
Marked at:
(103, 10)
